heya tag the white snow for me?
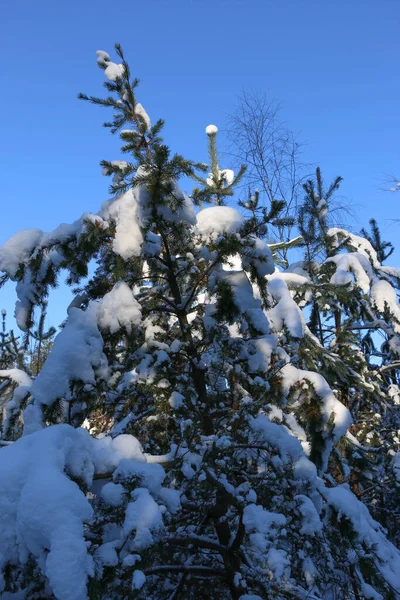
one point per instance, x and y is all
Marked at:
(396, 466)
(140, 111)
(122, 166)
(368, 531)
(18, 249)
(118, 309)
(138, 580)
(76, 355)
(185, 213)
(286, 312)
(277, 560)
(102, 57)
(244, 298)
(21, 391)
(152, 245)
(218, 220)
(227, 175)
(260, 257)
(111, 453)
(176, 400)
(24, 245)
(43, 510)
(211, 129)
(359, 244)
(143, 516)
(384, 296)
(112, 493)
(310, 521)
(17, 376)
(256, 518)
(355, 264)
(106, 555)
(277, 437)
(128, 211)
(224, 178)
(263, 347)
(113, 71)
(330, 405)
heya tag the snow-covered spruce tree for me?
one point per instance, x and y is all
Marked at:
(205, 470)
(353, 308)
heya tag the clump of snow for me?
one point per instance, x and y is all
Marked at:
(21, 391)
(263, 347)
(18, 249)
(256, 518)
(384, 297)
(227, 175)
(106, 555)
(143, 517)
(42, 511)
(330, 405)
(23, 246)
(102, 57)
(17, 376)
(152, 245)
(394, 393)
(122, 166)
(367, 530)
(353, 263)
(138, 580)
(150, 475)
(356, 242)
(310, 521)
(277, 560)
(113, 71)
(260, 257)
(243, 297)
(218, 220)
(211, 129)
(286, 312)
(176, 400)
(112, 493)
(127, 447)
(224, 177)
(396, 466)
(76, 355)
(110, 453)
(118, 308)
(185, 212)
(277, 437)
(128, 211)
(140, 111)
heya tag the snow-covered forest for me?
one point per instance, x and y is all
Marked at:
(218, 416)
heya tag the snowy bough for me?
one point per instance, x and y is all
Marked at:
(187, 437)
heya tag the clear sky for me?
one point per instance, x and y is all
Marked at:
(332, 64)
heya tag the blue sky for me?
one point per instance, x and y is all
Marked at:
(333, 65)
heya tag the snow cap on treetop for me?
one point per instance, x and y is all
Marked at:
(211, 129)
(111, 70)
(102, 57)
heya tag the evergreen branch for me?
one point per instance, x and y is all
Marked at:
(295, 242)
(198, 541)
(195, 570)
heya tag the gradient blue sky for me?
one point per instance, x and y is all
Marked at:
(333, 65)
